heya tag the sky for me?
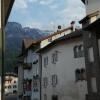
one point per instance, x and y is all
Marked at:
(47, 14)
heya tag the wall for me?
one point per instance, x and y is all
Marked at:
(67, 88)
(93, 6)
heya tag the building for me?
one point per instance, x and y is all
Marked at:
(28, 58)
(91, 42)
(29, 71)
(63, 69)
(60, 33)
(11, 83)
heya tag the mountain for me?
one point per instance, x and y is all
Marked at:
(14, 34)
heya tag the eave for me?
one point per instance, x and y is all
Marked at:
(89, 16)
(6, 6)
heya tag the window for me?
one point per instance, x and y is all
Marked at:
(45, 61)
(14, 81)
(45, 97)
(75, 52)
(55, 97)
(14, 86)
(55, 57)
(9, 87)
(45, 82)
(54, 80)
(77, 74)
(80, 74)
(78, 51)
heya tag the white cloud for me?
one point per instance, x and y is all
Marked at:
(73, 11)
(32, 0)
(20, 4)
(34, 24)
(53, 6)
(46, 2)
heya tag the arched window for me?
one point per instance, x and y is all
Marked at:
(77, 74)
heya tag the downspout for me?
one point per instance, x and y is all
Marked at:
(40, 66)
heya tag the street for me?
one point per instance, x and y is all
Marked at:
(11, 97)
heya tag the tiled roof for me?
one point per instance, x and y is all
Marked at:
(28, 42)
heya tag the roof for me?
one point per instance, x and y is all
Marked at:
(55, 33)
(70, 36)
(28, 41)
(11, 74)
(7, 8)
(88, 17)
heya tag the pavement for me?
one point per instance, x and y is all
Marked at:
(11, 97)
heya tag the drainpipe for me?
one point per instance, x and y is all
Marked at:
(73, 25)
(40, 66)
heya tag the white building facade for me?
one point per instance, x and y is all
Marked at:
(63, 71)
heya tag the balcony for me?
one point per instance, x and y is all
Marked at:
(27, 66)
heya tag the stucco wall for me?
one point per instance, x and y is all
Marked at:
(67, 88)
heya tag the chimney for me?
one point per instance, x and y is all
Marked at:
(59, 28)
(73, 25)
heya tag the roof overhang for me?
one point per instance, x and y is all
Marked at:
(7, 9)
(94, 27)
(89, 16)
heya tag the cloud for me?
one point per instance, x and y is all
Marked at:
(46, 2)
(73, 11)
(20, 4)
(54, 6)
(34, 24)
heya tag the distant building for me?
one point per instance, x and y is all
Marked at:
(11, 83)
